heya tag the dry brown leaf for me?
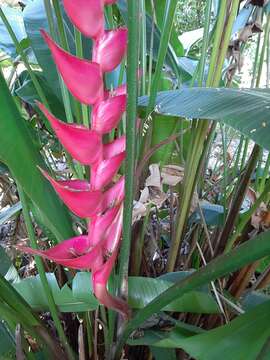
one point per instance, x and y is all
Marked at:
(172, 174)
(154, 179)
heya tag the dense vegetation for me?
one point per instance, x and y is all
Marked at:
(134, 179)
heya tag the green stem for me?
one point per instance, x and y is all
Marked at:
(265, 174)
(42, 274)
(196, 146)
(79, 53)
(164, 41)
(262, 55)
(21, 52)
(254, 71)
(132, 89)
(203, 57)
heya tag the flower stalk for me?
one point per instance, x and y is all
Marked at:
(100, 199)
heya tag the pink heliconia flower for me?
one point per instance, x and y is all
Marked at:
(86, 15)
(115, 147)
(109, 49)
(104, 171)
(77, 195)
(99, 224)
(83, 144)
(109, 2)
(83, 78)
(100, 200)
(114, 195)
(107, 114)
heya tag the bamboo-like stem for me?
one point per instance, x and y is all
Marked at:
(205, 42)
(42, 274)
(254, 70)
(79, 53)
(263, 50)
(132, 89)
(21, 52)
(196, 146)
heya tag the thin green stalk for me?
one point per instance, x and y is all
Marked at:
(143, 47)
(225, 169)
(263, 50)
(79, 53)
(254, 71)
(245, 254)
(244, 156)
(217, 39)
(42, 274)
(164, 41)
(225, 41)
(132, 89)
(258, 170)
(196, 147)
(265, 174)
(21, 52)
(206, 30)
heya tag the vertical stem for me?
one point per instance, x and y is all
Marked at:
(132, 89)
(196, 148)
(42, 274)
(262, 55)
(205, 42)
(254, 71)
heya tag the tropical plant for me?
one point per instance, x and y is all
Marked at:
(167, 255)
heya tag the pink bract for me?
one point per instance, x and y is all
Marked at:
(83, 78)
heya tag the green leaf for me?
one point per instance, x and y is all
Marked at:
(8, 213)
(242, 338)
(246, 110)
(32, 291)
(171, 58)
(19, 153)
(163, 354)
(7, 269)
(142, 290)
(7, 343)
(160, 10)
(244, 254)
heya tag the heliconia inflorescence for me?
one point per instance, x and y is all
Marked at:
(99, 200)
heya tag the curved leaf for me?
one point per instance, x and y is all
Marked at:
(246, 110)
(19, 153)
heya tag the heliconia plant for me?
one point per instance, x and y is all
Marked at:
(99, 200)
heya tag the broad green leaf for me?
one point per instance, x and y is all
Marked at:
(246, 110)
(242, 338)
(163, 127)
(19, 153)
(142, 290)
(163, 354)
(244, 254)
(32, 291)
